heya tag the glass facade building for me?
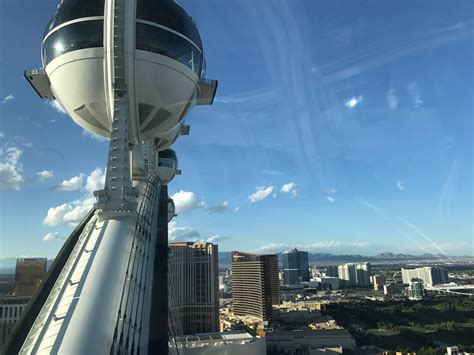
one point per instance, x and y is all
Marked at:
(255, 285)
(295, 267)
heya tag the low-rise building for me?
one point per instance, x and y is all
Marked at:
(308, 341)
(325, 283)
(229, 343)
(290, 316)
(11, 308)
(393, 289)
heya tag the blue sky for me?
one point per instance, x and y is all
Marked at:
(337, 128)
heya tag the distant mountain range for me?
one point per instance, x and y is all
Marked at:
(327, 258)
(7, 265)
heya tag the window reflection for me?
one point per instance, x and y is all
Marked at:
(171, 15)
(158, 40)
(69, 10)
(88, 34)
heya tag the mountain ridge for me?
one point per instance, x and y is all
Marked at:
(313, 258)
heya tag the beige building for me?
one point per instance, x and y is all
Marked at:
(29, 273)
(429, 275)
(194, 287)
(11, 307)
(228, 343)
(308, 341)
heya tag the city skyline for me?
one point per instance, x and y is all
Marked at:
(354, 144)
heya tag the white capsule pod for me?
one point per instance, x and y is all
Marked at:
(167, 166)
(164, 64)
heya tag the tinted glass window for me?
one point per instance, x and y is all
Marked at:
(88, 34)
(73, 9)
(157, 40)
(169, 14)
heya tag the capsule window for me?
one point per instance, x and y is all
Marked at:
(158, 40)
(79, 35)
(171, 15)
(69, 10)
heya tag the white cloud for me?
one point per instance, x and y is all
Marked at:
(71, 212)
(44, 175)
(275, 247)
(392, 100)
(96, 180)
(51, 236)
(330, 199)
(11, 169)
(186, 201)
(216, 239)
(2, 135)
(74, 183)
(219, 208)
(177, 233)
(8, 98)
(236, 209)
(400, 185)
(326, 245)
(261, 193)
(331, 191)
(289, 188)
(56, 106)
(351, 103)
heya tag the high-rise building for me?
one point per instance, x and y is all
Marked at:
(416, 290)
(29, 274)
(331, 271)
(363, 273)
(439, 275)
(255, 286)
(379, 281)
(429, 275)
(193, 278)
(354, 274)
(347, 274)
(295, 267)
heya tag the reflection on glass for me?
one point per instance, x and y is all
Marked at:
(87, 34)
(69, 10)
(158, 40)
(171, 15)
(169, 163)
